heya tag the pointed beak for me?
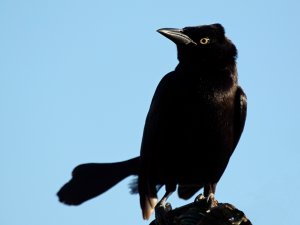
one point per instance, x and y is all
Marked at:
(176, 35)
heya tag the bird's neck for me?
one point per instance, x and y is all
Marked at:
(206, 68)
(210, 73)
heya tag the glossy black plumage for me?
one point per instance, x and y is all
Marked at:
(194, 123)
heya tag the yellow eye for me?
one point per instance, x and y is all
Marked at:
(204, 41)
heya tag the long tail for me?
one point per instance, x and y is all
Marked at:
(92, 179)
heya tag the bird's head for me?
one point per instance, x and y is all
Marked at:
(202, 45)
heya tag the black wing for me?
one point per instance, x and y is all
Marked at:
(153, 134)
(156, 118)
(240, 114)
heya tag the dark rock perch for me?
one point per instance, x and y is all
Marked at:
(199, 213)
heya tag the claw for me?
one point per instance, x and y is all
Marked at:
(212, 201)
(199, 198)
(161, 210)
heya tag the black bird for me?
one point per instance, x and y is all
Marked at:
(194, 123)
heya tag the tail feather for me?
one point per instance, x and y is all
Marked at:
(93, 179)
(148, 207)
(148, 196)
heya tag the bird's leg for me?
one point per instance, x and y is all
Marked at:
(163, 201)
(209, 194)
(162, 208)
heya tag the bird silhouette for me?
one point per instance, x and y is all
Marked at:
(194, 123)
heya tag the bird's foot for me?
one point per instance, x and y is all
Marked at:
(212, 201)
(161, 210)
(199, 198)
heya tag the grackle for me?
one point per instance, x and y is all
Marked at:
(194, 123)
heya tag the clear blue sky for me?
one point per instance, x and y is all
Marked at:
(76, 80)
